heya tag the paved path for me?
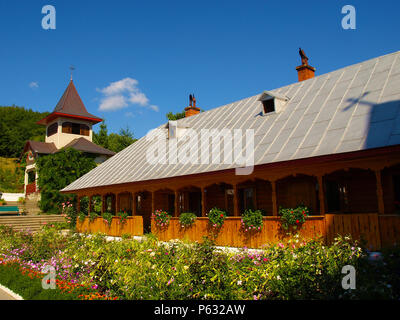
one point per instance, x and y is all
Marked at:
(5, 296)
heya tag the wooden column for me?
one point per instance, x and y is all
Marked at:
(321, 195)
(176, 203)
(134, 204)
(274, 199)
(78, 204)
(103, 203)
(90, 204)
(203, 202)
(235, 201)
(117, 204)
(152, 202)
(379, 192)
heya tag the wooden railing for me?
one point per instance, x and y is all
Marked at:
(231, 233)
(377, 230)
(132, 226)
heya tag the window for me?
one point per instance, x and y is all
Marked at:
(52, 129)
(75, 128)
(269, 105)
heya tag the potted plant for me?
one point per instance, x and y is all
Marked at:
(123, 215)
(107, 217)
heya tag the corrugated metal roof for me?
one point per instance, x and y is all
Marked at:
(350, 109)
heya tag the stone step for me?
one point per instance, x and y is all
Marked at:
(33, 223)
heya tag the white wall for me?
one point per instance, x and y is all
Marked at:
(12, 196)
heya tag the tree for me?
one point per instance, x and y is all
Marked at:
(113, 141)
(175, 116)
(58, 170)
(101, 138)
(17, 126)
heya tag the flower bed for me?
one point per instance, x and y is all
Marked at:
(130, 269)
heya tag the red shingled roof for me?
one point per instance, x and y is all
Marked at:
(70, 106)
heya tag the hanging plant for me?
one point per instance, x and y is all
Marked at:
(92, 216)
(293, 217)
(187, 219)
(252, 220)
(216, 217)
(107, 217)
(123, 215)
(81, 216)
(161, 218)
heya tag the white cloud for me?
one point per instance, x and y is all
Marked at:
(129, 114)
(34, 84)
(123, 93)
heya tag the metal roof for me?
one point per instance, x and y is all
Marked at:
(85, 145)
(350, 109)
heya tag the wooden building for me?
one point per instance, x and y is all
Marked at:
(330, 142)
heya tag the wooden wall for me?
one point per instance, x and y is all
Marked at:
(132, 226)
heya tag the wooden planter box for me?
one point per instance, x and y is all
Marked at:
(132, 226)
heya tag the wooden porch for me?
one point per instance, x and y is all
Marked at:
(355, 194)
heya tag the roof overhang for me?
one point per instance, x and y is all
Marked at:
(55, 115)
(267, 95)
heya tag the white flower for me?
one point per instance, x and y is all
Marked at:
(278, 278)
(239, 283)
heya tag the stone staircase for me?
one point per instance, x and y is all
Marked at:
(29, 222)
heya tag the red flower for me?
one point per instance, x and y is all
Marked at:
(297, 221)
(222, 215)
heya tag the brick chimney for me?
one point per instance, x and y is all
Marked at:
(304, 71)
(191, 110)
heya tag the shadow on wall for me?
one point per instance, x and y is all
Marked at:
(383, 126)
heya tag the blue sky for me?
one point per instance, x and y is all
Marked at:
(137, 60)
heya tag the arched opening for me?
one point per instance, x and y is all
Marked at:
(143, 208)
(52, 129)
(125, 202)
(190, 200)
(84, 205)
(109, 203)
(351, 191)
(75, 128)
(96, 204)
(391, 188)
(294, 191)
(255, 195)
(220, 195)
(165, 200)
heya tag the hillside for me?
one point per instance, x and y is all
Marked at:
(17, 125)
(11, 177)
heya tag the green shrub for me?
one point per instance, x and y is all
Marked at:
(187, 219)
(81, 216)
(293, 217)
(93, 215)
(216, 217)
(252, 220)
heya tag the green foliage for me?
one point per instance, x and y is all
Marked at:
(17, 125)
(161, 218)
(69, 211)
(58, 170)
(107, 217)
(187, 219)
(293, 217)
(175, 116)
(11, 175)
(97, 204)
(252, 220)
(216, 217)
(84, 205)
(114, 142)
(82, 216)
(155, 270)
(93, 215)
